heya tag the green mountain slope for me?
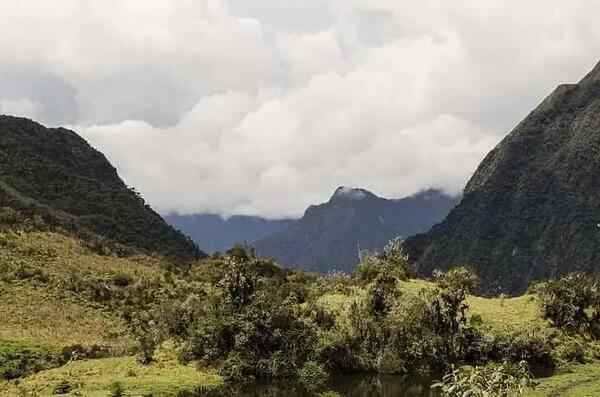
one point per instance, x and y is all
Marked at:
(532, 209)
(57, 175)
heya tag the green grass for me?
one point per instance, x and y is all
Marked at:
(509, 313)
(578, 381)
(93, 378)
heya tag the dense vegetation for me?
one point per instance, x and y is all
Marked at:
(56, 176)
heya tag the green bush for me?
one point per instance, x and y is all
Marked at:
(459, 278)
(567, 301)
(313, 375)
(504, 380)
(18, 360)
(392, 262)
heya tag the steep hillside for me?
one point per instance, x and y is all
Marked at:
(55, 174)
(331, 235)
(212, 233)
(532, 209)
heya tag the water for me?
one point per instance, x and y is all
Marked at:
(346, 386)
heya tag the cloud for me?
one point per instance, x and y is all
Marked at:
(260, 108)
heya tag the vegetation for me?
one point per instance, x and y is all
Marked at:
(79, 321)
(495, 380)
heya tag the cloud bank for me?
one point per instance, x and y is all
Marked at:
(263, 107)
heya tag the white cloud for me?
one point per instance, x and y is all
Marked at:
(260, 108)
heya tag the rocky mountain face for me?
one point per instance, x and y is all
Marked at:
(55, 175)
(331, 235)
(532, 209)
(213, 234)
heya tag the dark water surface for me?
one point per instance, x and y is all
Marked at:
(347, 386)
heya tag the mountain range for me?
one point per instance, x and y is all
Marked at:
(331, 235)
(532, 209)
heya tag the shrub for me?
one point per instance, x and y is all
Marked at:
(565, 301)
(393, 262)
(382, 294)
(313, 375)
(459, 278)
(570, 350)
(504, 380)
(238, 284)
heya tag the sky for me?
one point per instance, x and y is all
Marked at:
(263, 107)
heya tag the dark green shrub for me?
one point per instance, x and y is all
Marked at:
(566, 301)
(312, 375)
(382, 294)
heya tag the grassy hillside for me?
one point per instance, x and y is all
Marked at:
(58, 297)
(42, 317)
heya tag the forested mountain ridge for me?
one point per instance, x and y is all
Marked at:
(56, 175)
(532, 209)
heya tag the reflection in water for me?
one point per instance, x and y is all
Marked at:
(346, 386)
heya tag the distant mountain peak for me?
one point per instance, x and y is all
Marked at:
(351, 193)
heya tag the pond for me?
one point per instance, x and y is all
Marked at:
(346, 386)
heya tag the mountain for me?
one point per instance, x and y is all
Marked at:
(532, 208)
(329, 236)
(55, 175)
(215, 234)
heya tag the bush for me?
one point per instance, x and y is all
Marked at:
(382, 294)
(566, 302)
(570, 350)
(459, 278)
(313, 375)
(393, 262)
(504, 380)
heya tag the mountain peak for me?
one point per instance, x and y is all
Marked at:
(351, 193)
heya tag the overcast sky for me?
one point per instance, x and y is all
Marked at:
(265, 106)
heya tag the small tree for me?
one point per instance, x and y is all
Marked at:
(238, 284)
(458, 278)
(382, 294)
(566, 301)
